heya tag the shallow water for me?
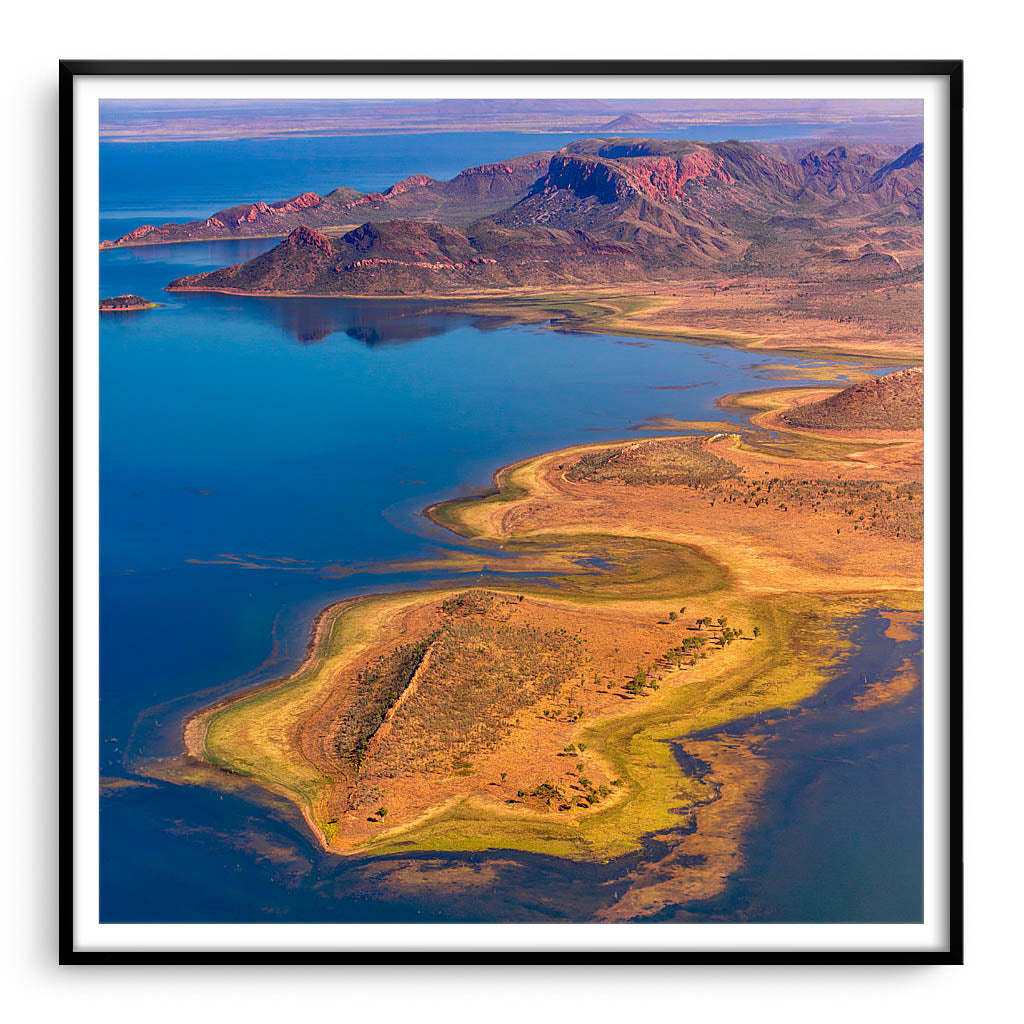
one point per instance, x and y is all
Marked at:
(839, 839)
(841, 830)
(250, 448)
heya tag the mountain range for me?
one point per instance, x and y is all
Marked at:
(601, 210)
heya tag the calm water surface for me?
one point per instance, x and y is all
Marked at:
(238, 433)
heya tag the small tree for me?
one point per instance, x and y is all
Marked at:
(673, 616)
(382, 813)
(682, 611)
(756, 631)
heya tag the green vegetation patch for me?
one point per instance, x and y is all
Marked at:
(621, 568)
(800, 639)
(785, 445)
(378, 687)
(249, 737)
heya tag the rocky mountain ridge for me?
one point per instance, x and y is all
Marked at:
(597, 211)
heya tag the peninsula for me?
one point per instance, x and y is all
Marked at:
(688, 580)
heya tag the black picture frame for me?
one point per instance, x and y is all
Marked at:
(69, 70)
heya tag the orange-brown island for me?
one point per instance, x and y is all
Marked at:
(681, 582)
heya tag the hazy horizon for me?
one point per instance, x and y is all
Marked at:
(151, 120)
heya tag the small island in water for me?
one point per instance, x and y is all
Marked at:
(126, 304)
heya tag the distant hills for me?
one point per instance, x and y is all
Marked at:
(630, 123)
(601, 210)
(472, 194)
(192, 119)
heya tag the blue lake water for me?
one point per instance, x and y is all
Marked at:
(239, 432)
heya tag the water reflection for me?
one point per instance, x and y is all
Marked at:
(372, 322)
(146, 270)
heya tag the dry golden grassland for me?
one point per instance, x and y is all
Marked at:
(873, 319)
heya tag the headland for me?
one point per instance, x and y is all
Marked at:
(693, 580)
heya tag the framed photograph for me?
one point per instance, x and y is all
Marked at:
(515, 512)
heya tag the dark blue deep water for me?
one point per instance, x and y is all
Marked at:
(253, 450)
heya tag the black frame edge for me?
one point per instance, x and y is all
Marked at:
(69, 69)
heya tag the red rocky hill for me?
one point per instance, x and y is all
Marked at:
(472, 194)
(892, 402)
(600, 210)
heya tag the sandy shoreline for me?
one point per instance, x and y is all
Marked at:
(195, 725)
(652, 310)
(433, 297)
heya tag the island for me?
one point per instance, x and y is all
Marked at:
(125, 304)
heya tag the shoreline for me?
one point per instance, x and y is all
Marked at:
(183, 241)
(195, 726)
(426, 297)
(131, 309)
(545, 308)
(494, 823)
(195, 741)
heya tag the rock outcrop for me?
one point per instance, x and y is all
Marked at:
(124, 303)
(892, 402)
